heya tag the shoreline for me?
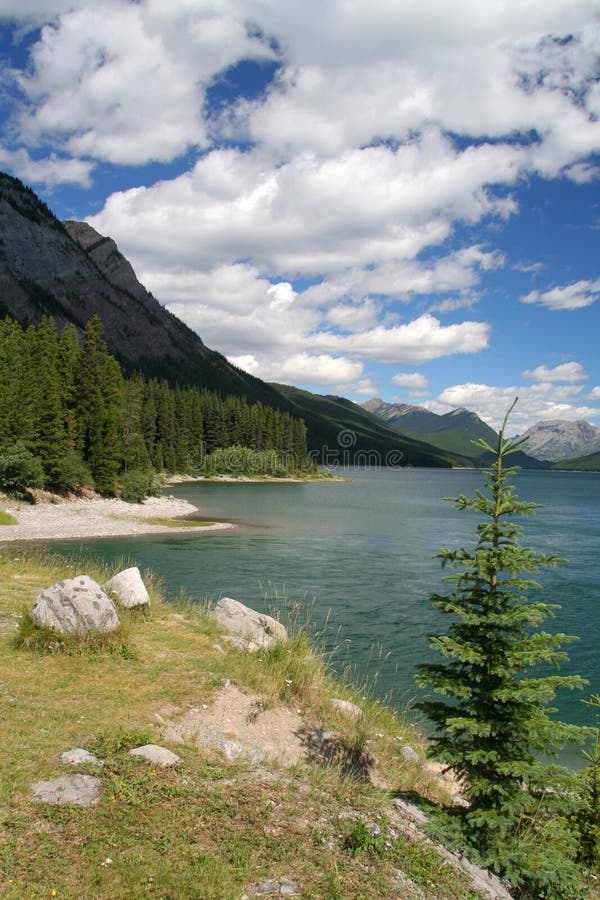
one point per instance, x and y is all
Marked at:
(100, 517)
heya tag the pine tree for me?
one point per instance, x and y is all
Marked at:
(493, 722)
(98, 405)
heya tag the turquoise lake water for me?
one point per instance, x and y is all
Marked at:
(359, 556)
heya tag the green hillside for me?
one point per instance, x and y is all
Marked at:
(343, 431)
(589, 463)
(453, 432)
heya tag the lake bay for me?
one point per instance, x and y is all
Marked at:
(359, 556)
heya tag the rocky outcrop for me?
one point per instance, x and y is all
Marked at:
(76, 606)
(256, 629)
(128, 588)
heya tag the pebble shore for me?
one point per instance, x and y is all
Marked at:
(98, 518)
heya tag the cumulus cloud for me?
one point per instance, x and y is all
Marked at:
(567, 297)
(302, 368)
(415, 380)
(566, 372)
(418, 341)
(594, 394)
(536, 403)
(124, 82)
(50, 170)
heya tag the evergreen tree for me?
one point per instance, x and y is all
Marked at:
(493, 722)
(98, 402)
(50, 439)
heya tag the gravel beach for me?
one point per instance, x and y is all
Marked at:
(98, 518)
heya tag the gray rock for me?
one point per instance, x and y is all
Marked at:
(80, 790)
(76, 606)
(347, 708)
(159, 756)
(232, 750)
(283, 888)
(257, 628)
(128, 588)
(79, 755)
(410, 754)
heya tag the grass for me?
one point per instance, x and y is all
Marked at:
(178, 523)
(208, 828)
(7, 519)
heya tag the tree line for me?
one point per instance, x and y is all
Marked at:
(68, 413)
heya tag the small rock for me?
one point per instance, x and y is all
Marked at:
(76, 606)
(410, 754)
(242, 621)
(159, 756)
(218, 648)
(256, 756)
(283, 888)
(80, 790)
(129, 589)
(79, 755)
(348, 709)
(410, 811)
(172, 736)
(231, 749)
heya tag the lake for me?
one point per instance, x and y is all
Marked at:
(356, 559)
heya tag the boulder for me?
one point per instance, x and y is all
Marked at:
(351, 710)
(80, 790)
(159, 756)
(79, 755)
(76, 606)
(128, 588)
(258, 629)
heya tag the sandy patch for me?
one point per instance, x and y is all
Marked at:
(240, 726)
(92, 518)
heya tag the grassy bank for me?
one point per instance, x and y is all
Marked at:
(208, 828)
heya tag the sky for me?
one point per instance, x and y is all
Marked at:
(393, 199)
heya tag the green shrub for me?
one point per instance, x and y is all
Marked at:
(72, 472)
(137, 484)
(19, 469)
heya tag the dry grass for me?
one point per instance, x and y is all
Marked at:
(208, 828)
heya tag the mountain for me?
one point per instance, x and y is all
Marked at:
(558, 439)
(69, 271)
(454, 431)
(588, 463)
(347, 431)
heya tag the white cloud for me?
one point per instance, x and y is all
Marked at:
(124, 82)
(373, 205)
(413, 380)
(302, 368)
(594, 394)
(570, 296)
(566, 372)
(418, 341)
(536, 403)
(49, 170)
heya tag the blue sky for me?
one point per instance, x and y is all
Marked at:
(396, 200)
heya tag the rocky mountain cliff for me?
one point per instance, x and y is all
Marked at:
(69, 271)
(556, 439)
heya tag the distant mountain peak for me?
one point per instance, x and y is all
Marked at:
(554, 439)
